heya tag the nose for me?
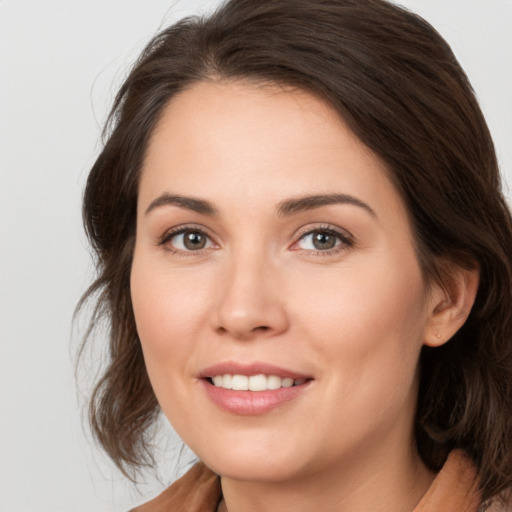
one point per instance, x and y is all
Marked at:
(250, 302)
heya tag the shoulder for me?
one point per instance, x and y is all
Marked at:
(196, 491)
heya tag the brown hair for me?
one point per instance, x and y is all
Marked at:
(398, 86)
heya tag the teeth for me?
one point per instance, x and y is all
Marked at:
(239, 382)
(273, 382)
(258, 383)
(227, 381)
(287, 383)
(254, 382)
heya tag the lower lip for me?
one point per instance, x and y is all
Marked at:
(251, 403)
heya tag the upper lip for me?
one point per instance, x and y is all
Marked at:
(248, 369)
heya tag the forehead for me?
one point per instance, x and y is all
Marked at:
(247, 141)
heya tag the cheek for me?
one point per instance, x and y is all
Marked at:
(366, 329)
(369, 319)
(169, 308)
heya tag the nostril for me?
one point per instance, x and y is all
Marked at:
(261, 328)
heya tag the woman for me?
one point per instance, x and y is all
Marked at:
(304, 258)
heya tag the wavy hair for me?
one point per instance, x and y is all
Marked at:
(397, 85)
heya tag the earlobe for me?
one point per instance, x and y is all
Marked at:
(451, 303)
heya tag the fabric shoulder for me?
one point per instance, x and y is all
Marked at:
(198, 490)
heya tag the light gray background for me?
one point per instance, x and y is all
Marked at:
(60, 64)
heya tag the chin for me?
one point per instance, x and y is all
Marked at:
(270, 470)
(253, 461)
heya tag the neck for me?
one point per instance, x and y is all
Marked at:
(378, 482)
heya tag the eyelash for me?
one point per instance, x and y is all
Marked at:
(345, 238)
(169, 235)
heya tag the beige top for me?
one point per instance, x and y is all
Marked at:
(455, 489)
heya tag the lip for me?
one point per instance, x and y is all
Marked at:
(251, 403)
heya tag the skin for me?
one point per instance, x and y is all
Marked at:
(354, 317)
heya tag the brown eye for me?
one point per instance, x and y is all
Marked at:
(188, 240)
(194, 240)
(323, 240)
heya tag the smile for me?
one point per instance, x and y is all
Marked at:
(254, 382)
(252, 389)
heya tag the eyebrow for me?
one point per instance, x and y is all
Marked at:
(285, 208)
(189, 203)
(301, 204)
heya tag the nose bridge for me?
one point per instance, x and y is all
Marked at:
(250, 302)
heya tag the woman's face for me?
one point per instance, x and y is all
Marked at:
(272, 246)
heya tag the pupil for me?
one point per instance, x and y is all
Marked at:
(194, 240)
(324, 241)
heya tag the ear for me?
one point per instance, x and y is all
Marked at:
(451, 303)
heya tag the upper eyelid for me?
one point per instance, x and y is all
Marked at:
(169, 233)
(346, 238)
(305, 230)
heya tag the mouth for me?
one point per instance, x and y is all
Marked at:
(252, 389)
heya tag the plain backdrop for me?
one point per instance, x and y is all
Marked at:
(61, 62)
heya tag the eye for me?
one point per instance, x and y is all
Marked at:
(323, 240)
(187, 240)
